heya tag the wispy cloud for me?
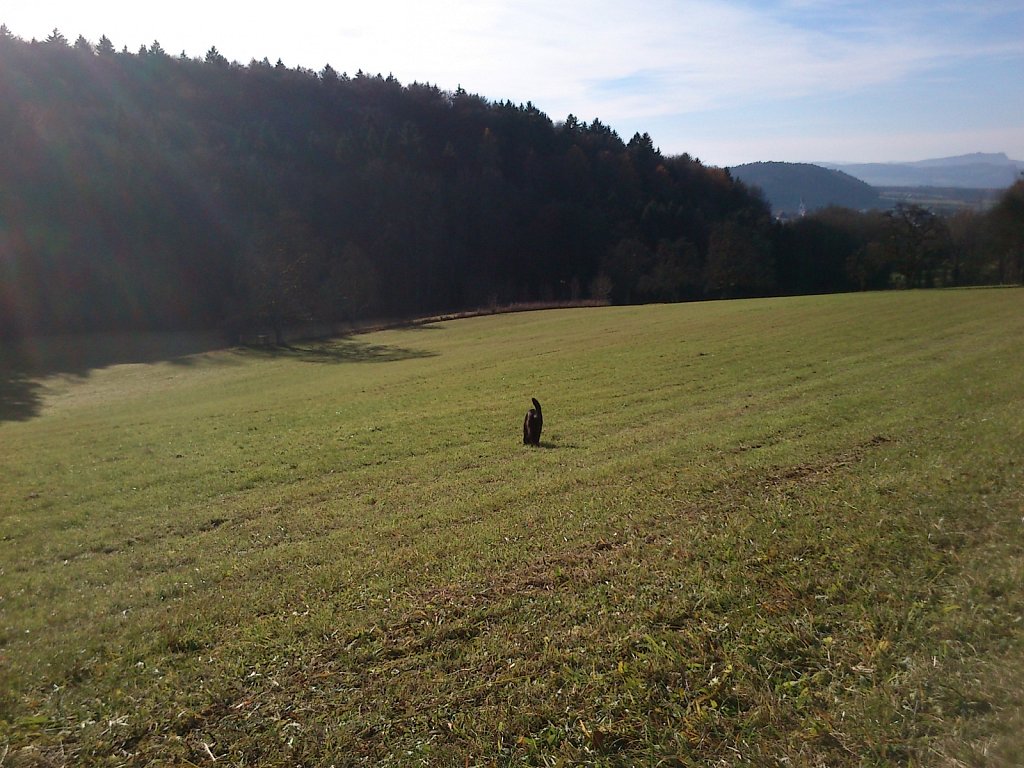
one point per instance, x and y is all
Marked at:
(702, 56)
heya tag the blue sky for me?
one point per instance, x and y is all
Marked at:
(728, 81)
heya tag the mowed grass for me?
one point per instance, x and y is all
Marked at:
(782, 532)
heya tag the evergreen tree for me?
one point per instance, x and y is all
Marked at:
(328, 74)
(56, 38)
(213, 56)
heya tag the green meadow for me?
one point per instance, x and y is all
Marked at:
(771, 532)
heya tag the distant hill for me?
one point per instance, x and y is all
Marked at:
(974, 171)
(790, 186)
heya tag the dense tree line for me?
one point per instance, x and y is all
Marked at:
(150, 191)
(143, 190)
(838, 249)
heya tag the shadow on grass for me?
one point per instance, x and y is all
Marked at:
(551, 445)
(19, 396)
(23, 364)
(346, 350)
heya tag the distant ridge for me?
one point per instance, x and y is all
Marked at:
(794, 187)
(979, 170)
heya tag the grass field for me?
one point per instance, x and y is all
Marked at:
(779, 532)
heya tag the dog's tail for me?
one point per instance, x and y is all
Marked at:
(536, 405)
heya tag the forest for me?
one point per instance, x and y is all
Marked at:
(151, 191)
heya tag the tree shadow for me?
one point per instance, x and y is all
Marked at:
(19, 396)
(25, 363)
(336, 351)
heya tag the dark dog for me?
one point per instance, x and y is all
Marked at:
(532, 424)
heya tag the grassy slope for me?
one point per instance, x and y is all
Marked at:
(755, 530)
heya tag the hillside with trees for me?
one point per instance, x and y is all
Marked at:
(143, 190)
(794, 187)
(147, 191)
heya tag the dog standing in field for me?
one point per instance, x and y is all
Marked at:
(532, 424)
